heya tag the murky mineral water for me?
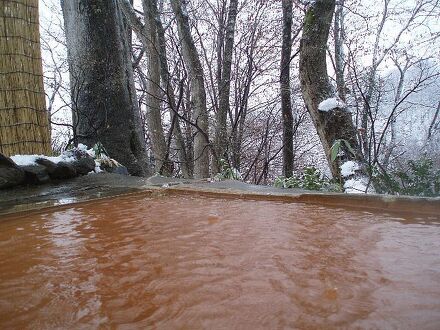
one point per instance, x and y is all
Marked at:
(176, 262)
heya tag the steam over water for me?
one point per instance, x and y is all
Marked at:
(176, 262)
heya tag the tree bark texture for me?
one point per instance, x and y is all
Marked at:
(315, 84)
(102, 84)
(198, 93)
(286, 103)
(221, 135)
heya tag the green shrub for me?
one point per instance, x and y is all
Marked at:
(310, 179)
(418, 178)
(227, 172)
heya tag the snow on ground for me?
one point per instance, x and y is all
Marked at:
(349, 168)
(358, 186)
(330, 104)
(25, 160)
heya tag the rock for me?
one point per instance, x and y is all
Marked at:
(63, 170)
(49, 165)
(10, 174)
(59, 171)
(36, 174)
(120, 169)
(84, 165)
(112, 166)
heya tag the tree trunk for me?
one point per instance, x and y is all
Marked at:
(286, 103)
(102, 81)
(221, 135)
(198, 93)
(335, 124)
(154, 118)
(24, 120)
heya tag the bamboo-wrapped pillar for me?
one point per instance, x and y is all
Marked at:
(24, 121)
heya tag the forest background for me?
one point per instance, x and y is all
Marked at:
(382, 59)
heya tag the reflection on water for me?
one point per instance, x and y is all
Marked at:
(66, 200)
(187, 262)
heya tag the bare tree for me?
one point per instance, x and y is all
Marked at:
(154, 119)
(184, 160)
(224, 83)
(411, 16)
(198, 93)
(152, 36)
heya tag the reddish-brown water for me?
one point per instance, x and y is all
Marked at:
(175, 262)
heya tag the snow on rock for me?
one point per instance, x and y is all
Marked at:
(349, 168)
(103, 163)
(25, 160)
(330, 104)
(39, 169)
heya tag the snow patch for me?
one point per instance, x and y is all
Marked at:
(98, 167)
(330, 104)
(357, 186)
(82, 147)
(349, 168)
(91, 152)
(25, 160)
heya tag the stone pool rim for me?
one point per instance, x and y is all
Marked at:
(423, 206)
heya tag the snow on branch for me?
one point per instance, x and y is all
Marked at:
(330, 104)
